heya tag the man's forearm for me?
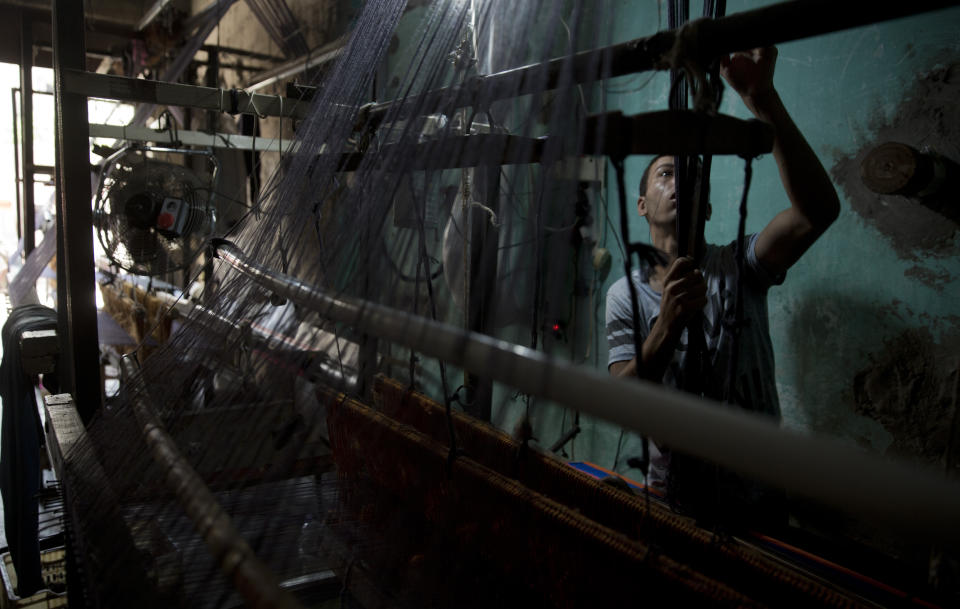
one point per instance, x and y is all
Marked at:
(804, 179)
(656, 352)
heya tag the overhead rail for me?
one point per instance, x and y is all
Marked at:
(675, 132)
(707, 38)
(232, 101)
(823, 469)
(613, 134)
(702, 40)
(191, 138)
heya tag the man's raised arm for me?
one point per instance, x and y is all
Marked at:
(814, 204)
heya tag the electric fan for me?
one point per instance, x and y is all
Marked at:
(153, 216)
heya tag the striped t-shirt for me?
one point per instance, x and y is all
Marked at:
(755, 388)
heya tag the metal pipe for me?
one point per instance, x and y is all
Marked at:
(35, 92)
(789, 21)
(824, 469)
(219, 48)
(253, 579)
(343, 376)
(16, 161)
(293, 67)
(91, 54)
(765, 26)
(234, 101)
(151, 14)
(668, 132)
(101, 17)
(192, 138)
(27, 214)
(562, 441)
(79, 367)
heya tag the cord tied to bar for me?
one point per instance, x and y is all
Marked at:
(687, 57)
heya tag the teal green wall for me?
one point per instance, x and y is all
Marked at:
(866, 328)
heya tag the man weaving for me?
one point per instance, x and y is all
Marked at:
(678, 291)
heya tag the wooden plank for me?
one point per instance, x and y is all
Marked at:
(64, 431)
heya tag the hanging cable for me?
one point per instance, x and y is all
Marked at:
(741, 255)
(634, 302)
(424, 262)
(399, 272)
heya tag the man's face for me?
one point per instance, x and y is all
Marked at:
(659, 203)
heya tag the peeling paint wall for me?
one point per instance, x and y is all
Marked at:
(872, 342)
(926, 118)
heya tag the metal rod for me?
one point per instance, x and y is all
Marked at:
(241, 52)
(824, 469)
(314, 58)
(151, 14)
(79, 367)
(101, 55)
(101, 18)
(765, 26)
(253, 579)
(789, 21)
(667, 132)
(16, 162)
(482, 277)
(562, 441)
(338, 374)
(35, 92)
(27, 213)
(234, 101)
(676, 132)
(456, 151)
(191, 138)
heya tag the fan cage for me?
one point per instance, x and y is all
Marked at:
(135, 189)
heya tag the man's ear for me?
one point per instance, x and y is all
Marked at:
(642, 205)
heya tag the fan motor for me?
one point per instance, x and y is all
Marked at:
(140, 210)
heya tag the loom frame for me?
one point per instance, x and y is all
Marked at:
(933, 502)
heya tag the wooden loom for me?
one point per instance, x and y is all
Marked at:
(548, 534)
